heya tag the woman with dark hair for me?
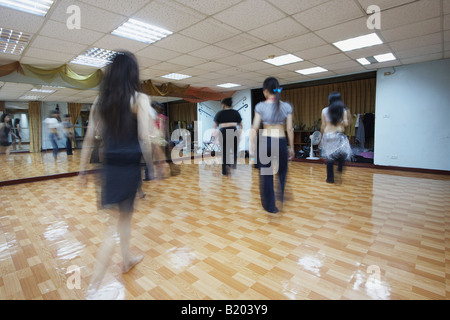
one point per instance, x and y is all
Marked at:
(273, 151)
(227, 120)
(120, 116)
(335, 145)
(5, 132)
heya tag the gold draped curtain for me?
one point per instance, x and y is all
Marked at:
(308, 102)
(185, 112)
(49, 75)
(35, 120)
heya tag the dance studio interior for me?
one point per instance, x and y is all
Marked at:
(380, 231)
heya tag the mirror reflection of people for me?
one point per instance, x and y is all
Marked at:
(53, 128)
(17, 131)
(227, 120)
(122, 113)
(68, 132)
(5, 135)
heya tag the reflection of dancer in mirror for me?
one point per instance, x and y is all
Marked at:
(53, 127)
(335, 145)
(123, 114)
(273, 151)
(228, 120)
(16, 132)
(5, 135)
(68, 132)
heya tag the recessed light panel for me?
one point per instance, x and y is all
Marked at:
(363, 61)
(136, 30)
(48, 91)
(37, 7)
(283, 60)
(358, 42)
(95, 57)
(176, 76)
(32, 98)
(229, 85)
(385, 57)
(13, 42)
(312, 71)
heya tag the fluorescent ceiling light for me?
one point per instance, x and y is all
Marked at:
(363, 61)
(311, 70)
(283, 60)
(95, 57)
(176, 76)
(140, 31)
(13, 42)
(385, 57)
(43, 91)
(32, 98)
(359, 42)
(37, 7)
(229, 85)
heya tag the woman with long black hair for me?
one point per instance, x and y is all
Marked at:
(273, 150)
(120, 116)
(335, 145)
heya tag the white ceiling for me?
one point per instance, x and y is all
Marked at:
(217, 41)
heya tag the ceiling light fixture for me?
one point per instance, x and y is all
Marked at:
(358, 42)
(95, 57)
(37, 7)
(43, 91)
(363, 61)
(311, 71)
(176, 76)
(229, 85)
(283, 60)
(32, 98)
(140, 31)
(13, 42)
(385, 57)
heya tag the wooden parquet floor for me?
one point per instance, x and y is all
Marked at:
(378, 235)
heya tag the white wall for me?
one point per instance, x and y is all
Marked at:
(242, 102)
(412, 127)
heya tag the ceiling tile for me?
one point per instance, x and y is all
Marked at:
(423, 58)
(300, 43)
(236, 60)
(169, 15)
(329, 14)
(20, 21)
(57, 45)
(57, 57)
(369, 52)
(241, 43)
(317, 52)
(418, 29)
(250, 14)
(157, 53)
(410, 14)
(116, 43)
(422, 41)
(188, 61)
(447, 22)
(211, 53)
(126, 8)
(346, 30)
(418, 52)
(58, 30)
(180, 43)
(263, 53)
(283, 29)
(384, 4)
(293, 7)
(208, 7)
(92, 18)
(210, 31)
(168, 67)
(340, 57)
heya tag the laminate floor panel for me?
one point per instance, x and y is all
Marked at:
(377, 235)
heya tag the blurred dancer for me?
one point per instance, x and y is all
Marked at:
(273, 150)
(53, 126)
(123, 114)
(335, 145)
(68, 132)
(16, 131)
(228, 120)
(5, 133)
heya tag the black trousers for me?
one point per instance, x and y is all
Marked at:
(340, 158)
(69, 146)
(229, 149)
(271, 151)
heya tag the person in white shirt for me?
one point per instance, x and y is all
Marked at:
(53, 126)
